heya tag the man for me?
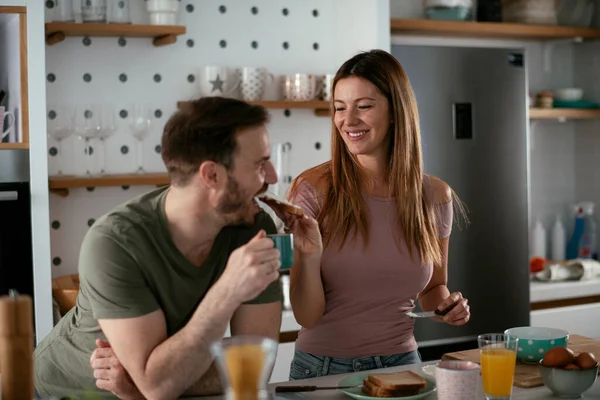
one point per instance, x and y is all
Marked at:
(163, 275)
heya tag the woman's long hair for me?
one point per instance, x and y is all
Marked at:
(340, 182)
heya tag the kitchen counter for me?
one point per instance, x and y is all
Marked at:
(538, 393)
(288, 322)
(547, 291)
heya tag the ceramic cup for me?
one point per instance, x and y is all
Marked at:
(285, 244)
(9, 125)
(299, 87)
(253, 82)
(458, 380)
(219, 81)
(325, 86)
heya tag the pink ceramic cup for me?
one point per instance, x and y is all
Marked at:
(457, 380)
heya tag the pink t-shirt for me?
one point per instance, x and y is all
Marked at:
(367, 290)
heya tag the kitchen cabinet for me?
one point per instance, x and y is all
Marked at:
(580, 319)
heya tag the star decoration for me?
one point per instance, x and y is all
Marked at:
(217, 84)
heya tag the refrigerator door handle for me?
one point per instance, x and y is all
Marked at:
(9, 195)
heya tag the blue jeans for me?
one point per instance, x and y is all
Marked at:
(306, 365)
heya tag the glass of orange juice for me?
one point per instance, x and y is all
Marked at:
(245, 364)
(498, 356)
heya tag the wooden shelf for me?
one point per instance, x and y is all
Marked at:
(61, 184)
(321, 107)
(163, 35)
(563, 113)
(499, 30)
(13, 146)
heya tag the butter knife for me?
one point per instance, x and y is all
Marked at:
(429, 314)
(283, 389)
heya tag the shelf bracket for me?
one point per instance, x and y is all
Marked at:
(548, 49)
(62, 192)
(164, 40)
(54, 38)
(322, 112)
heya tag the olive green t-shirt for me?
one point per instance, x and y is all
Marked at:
(129, 267)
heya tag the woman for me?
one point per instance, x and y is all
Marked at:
(385, 227)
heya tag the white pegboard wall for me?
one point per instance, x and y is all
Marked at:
(284, 36)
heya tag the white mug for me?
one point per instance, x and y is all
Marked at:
(458, 380)
(253, 82)
(324, 90)
(218, 81)
(11, 121)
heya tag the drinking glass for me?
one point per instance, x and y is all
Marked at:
(245, 364)
(87, 127)
(498, 356)
(61, 124)
(107, 127)
(93, 10)
(140, 121)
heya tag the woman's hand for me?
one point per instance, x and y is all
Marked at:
(460, 313)
(307, 236)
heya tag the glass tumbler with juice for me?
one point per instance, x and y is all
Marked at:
(498, 356)
(245, 364)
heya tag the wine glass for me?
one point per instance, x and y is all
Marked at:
(61, 121)
(107, 127)
(87, 126)
(140, 122)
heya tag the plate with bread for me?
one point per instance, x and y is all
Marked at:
(403, 385)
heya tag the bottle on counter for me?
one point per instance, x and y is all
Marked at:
(559, 245)
(573, 243)
(538, 240)
(587, 242)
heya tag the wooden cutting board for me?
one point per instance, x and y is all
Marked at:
(528, 375)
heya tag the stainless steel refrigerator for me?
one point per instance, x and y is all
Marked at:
(472, 110)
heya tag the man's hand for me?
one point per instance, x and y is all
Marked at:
(110, 374)
(251, 268)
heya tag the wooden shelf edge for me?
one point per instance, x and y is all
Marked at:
(60, 184)
(501, 30)
(14, 146)
(321, 107)
(563, 113)
(13, 9)
(162, 35)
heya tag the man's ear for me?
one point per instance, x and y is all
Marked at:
(212, 174)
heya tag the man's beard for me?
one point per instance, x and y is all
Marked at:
(234, 206)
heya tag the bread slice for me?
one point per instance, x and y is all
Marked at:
(375, 391)
(281, 206)
(405, 380)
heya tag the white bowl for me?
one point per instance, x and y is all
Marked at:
(162, 18)
(569, 94)
(171, 6)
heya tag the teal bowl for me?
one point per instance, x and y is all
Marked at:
(535, 341)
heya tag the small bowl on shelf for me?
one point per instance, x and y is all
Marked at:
(568, 94)
(535, 341)
(568, 383)
(163, 12)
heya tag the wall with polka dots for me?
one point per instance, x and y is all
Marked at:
(88, 75)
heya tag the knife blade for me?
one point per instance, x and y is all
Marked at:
(429, 314)
(284, 389)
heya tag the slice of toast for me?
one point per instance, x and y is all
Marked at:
(279, 205)
(398, 380)
(375, 391)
